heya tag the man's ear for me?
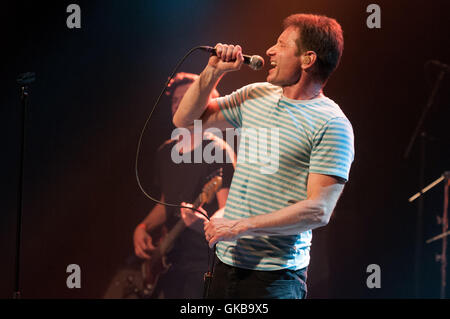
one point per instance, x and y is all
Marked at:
(308, 59)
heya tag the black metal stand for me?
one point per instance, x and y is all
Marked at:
(419, 217)
(444, 221)
(442, 258)
(23, 80)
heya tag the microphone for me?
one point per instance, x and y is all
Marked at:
(253, 61)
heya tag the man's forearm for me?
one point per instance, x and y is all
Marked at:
(196, 98)
(314, 212)
(155, 218)
(291, 220)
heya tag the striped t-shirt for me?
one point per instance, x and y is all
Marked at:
(282, 141)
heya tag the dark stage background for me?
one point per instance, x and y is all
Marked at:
(96, 85)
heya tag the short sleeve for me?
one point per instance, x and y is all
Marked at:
(230, 105)
(333, 149)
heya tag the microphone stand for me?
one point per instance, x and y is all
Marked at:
(444, 221)
(419, 218)
(23, 80)
(208, 276)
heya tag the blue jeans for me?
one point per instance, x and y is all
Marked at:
(230, 282)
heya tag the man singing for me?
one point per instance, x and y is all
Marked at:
(263, 240)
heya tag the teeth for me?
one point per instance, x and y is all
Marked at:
(273, 63)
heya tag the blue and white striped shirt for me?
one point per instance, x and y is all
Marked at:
(303, 137)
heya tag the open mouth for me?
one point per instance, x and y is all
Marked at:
(273, 66)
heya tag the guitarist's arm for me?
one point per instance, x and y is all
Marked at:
(141, 239)
(221, 196)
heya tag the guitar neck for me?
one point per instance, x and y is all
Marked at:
(176, 230)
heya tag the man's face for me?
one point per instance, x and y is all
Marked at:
(284, 59)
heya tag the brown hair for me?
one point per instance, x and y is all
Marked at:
(320, 34)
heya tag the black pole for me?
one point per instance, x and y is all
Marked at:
(443, 258)
(23, 99)
(23, 80)
(419, 125)
(419, 218)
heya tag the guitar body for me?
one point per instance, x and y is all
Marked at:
(152, 270)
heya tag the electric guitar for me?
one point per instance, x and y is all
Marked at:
(157, 265)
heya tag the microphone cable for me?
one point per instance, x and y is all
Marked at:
(208, 275)
(138, 150)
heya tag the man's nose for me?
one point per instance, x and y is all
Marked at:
(270, 51)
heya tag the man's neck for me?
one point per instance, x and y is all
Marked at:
(304, 89)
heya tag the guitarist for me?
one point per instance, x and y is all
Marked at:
(179, 183)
